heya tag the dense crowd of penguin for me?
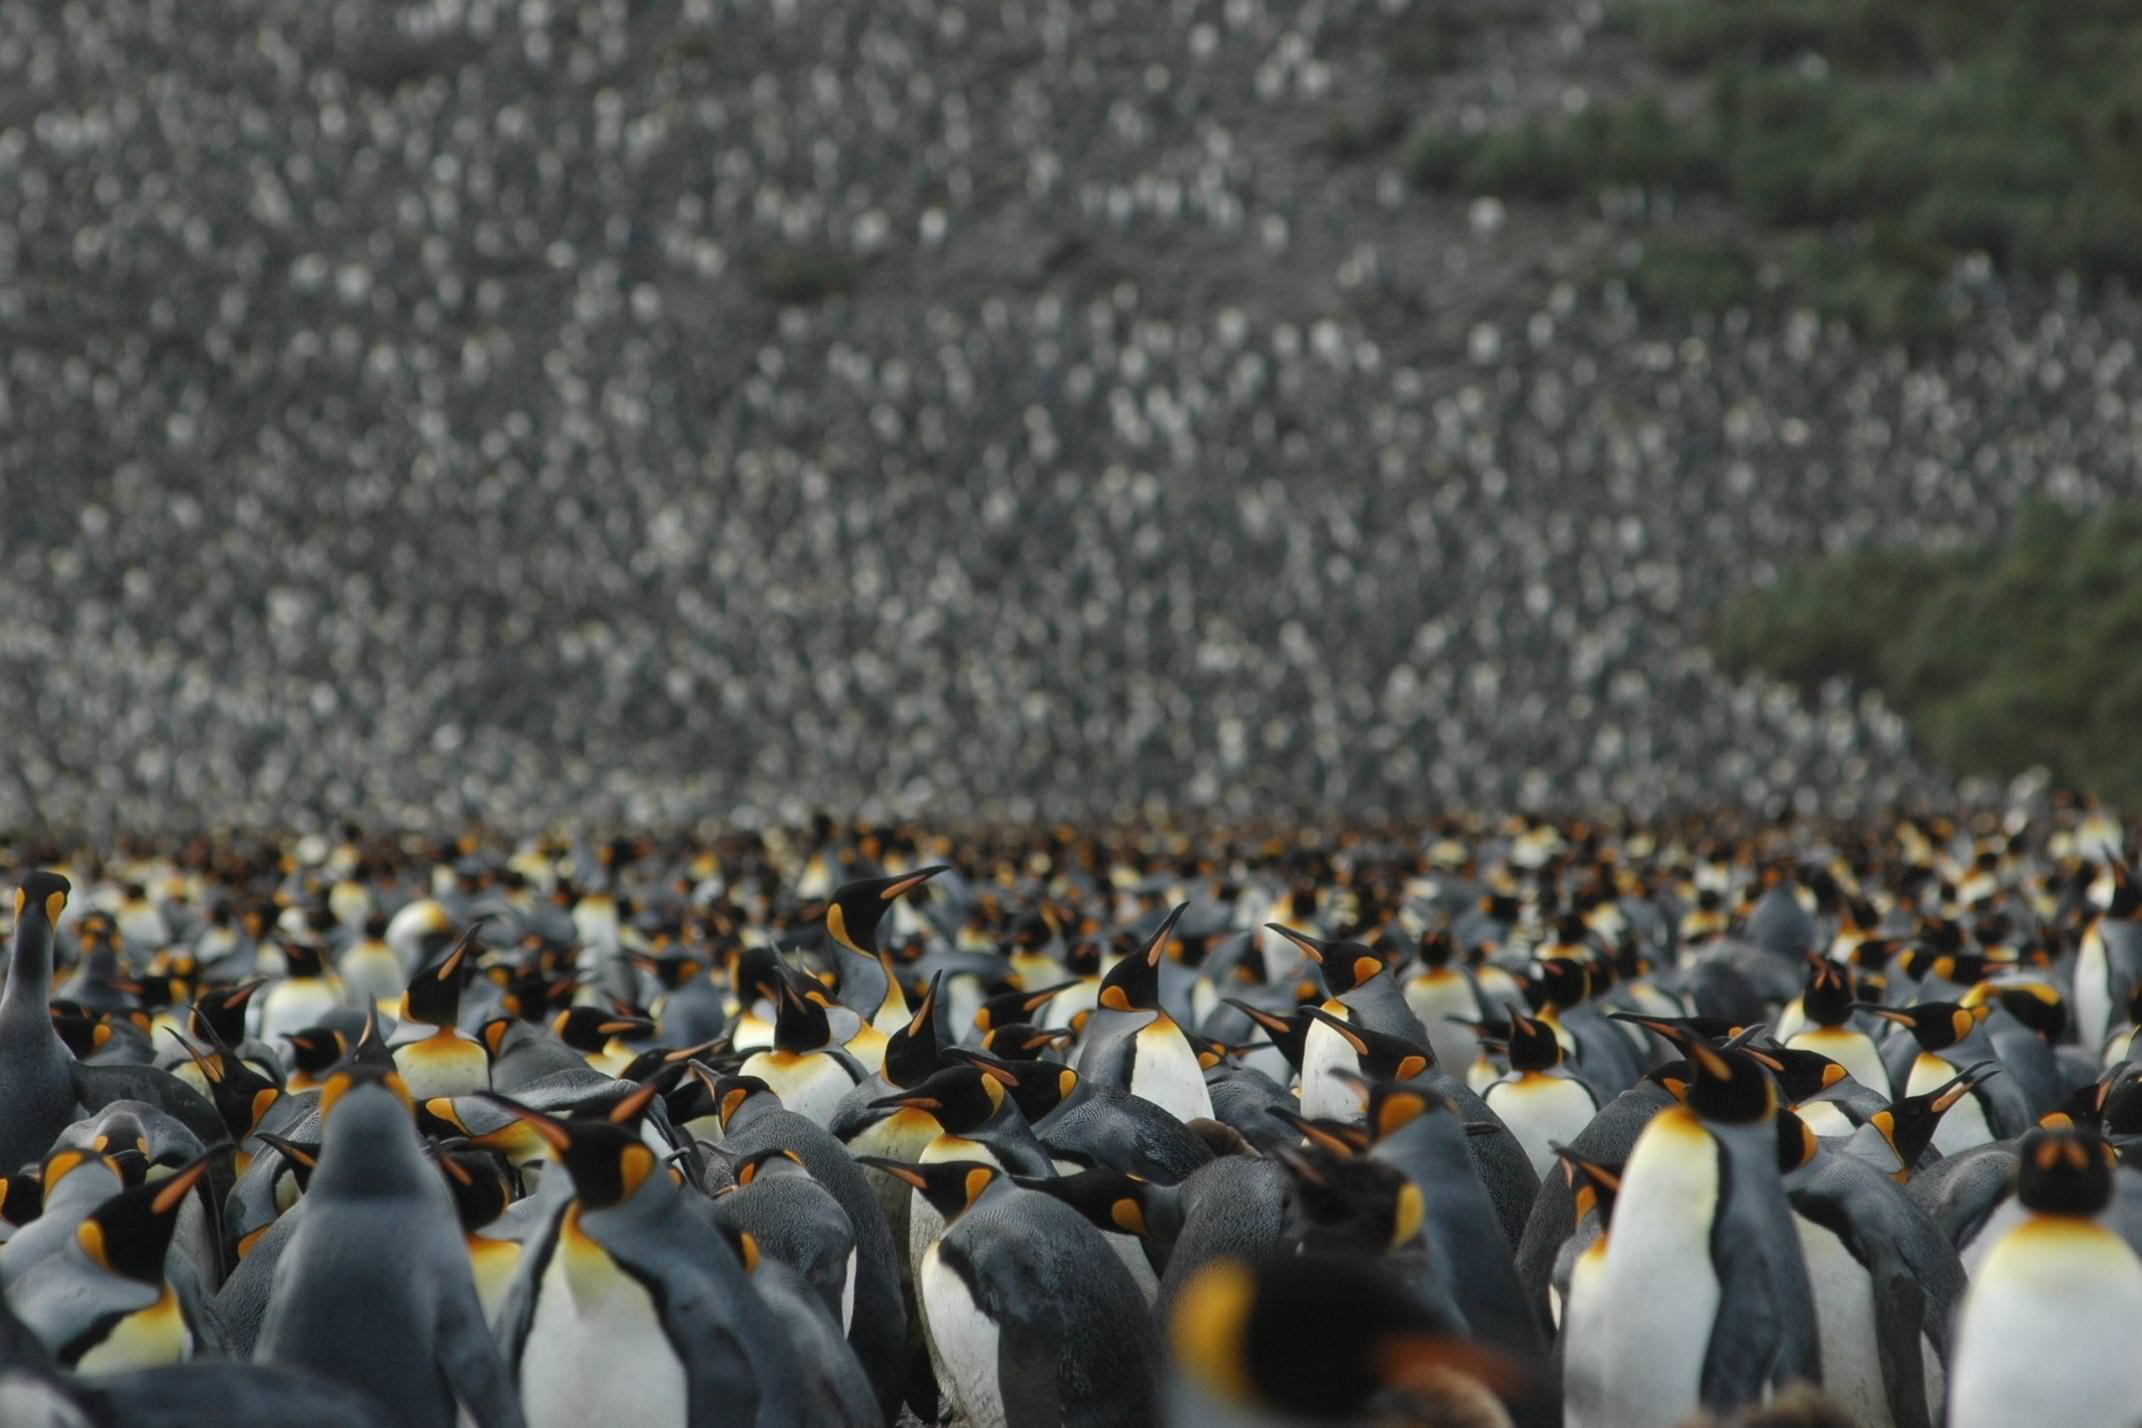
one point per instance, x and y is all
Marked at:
(1481, 1123)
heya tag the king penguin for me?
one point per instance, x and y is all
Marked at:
(2051, 1330)
(1363, 993)
(443, 1060)
(1133, 1044)
(1540, 1101)
(1826, 1008)
(854, 917)
(1711, 1300)
(35, 1069)
(378, 1229)
(628, 1307)
(1030, 1314)
(107, 1303)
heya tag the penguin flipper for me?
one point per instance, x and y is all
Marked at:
(470, 1361)
(1899, 1310)
(1764, 1334)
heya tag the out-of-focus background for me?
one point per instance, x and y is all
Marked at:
(600, 409)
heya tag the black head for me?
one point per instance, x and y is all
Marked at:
(1797, 1144)
(1337, 1137)
(1328, 1338)
(1909, 1122)
(1112, 1201)
(590, 1029)
(1009, 1008)
(480, 1181)
(1729, 1085)
(1533, 1045)
(963, 1098)
(302, 957)
(240, 1093)
(130, 1233)
(1392, 1106)
(2065, 1172)
(1035, 1087)
(1827, 998)
(1592, 1186)
(22, 1195)
(1557, 983)
(1936, 1026)
(604, 1153)
(219, 1012)
(1287, 1033)
(41, 896)
(1802, 1074)
(303, 1157)
(1133, 984)
(951, 1186)
(434, 993)
(800, 1022)
(1383, 1057)
(858, 909)
(1351, 1204)
(315, 1049)
(728, 1094)
(1345, 965)
(911, 1053)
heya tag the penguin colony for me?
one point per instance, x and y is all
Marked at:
(1484, 1123)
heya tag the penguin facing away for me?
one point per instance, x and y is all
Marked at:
(2051, 1329)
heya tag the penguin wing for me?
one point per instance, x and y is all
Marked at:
(516, 1312)
(1765, 1331)
(1904, 1273)
(71, 1307)
(469, 1356)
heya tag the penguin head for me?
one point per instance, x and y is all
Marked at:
(1393, 1106)
(1557, 983)
(1936, 1026)
(1036, 1087)
(1133, 984)
(1111, 1200)
(911, 1052)
(2037, 1004)
(1801, 1073)
(1346, 965)
(22, 1195)
(1827, 999)
(1909, 1122)
(433, 996)
(768, 1162)
(1729, 1085)
(1288, 1034)
(218, 1015)
(589, 1029)
(130, 1233)
(2065, 1172)
(1436, 950)
(315, 1049)
(1533, 1045)
(302, 1157)
(43, 896)
(603, 1152)
(304, 958)
(1797, 1145)
(800, 1021)
(951, 1186)
(858, 909)
(1324, 1133)
(731, 1093)
(480, 1181)
(1347, 1203)
(357, 1079)
(1008, 1008)
(963, 1098)
(1592, 1186)
(241, 1094)
(1383, 1057)
(1326, 1338)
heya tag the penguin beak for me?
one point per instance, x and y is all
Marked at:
(1154, 948)
(912, 881)
(175, 1188)
(1352, 1038)
(1308, 945)
(898, 1170)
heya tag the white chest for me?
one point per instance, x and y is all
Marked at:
(2051, 1330)
(1659, 1276)
(595, 1352)
(964, 1342)
(1167, 1074)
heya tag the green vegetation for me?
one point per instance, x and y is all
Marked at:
(2001, 658)
(1873, 144)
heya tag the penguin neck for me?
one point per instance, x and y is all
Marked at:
(29, 976)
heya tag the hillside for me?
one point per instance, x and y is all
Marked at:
(985, 409)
